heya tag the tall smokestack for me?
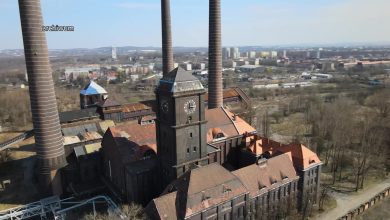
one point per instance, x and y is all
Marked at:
(48, 137)
(166, 37)
(215, 55)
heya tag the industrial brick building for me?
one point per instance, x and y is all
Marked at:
(210, 160)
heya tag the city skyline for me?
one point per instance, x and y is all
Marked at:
(256, 23)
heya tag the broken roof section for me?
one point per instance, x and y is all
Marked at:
(93, 89)
(132, 140)
(179, 80)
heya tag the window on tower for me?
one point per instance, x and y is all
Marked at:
(194, 149)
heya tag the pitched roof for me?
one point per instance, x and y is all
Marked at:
(267, 174)
(227, 93)
(179, 80)
(78, 115)
(93, 89)
(302, 156)
(197, 190)
(225, 121)
(109, 103)
(133, 140)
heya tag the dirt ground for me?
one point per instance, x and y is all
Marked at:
(19, 171)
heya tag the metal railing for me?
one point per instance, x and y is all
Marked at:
(57, 209)
(17, 139)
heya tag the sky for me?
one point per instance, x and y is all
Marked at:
(100, 23)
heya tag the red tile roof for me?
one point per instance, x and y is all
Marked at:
(267, 175)
(303, 158)
(134, 140)
(225, 121)
(198, 189)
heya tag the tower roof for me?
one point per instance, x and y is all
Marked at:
(93, 89)
(179, 80)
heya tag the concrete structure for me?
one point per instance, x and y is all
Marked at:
(318, 56)
(235, 52)
(186, 66)
(215, 55)
(226, 53)
(113, 53)
(48, 137)
(274, 54)
(252, 54)
(167, 51)
(202, 66)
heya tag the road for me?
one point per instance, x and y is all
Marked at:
(347, 202)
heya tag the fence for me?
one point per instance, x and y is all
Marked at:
(366, 205)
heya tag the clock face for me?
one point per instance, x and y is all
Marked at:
(164, 106)
(190, 106)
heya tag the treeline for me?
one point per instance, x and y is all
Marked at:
(352, 136)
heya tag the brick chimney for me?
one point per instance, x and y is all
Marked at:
(167, 52)
(48, 136)
(215, 55)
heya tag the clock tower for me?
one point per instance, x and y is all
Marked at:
(180, 124)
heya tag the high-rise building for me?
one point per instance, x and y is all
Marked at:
(319, 53)
(284, 53)
(274, 54)
(252, 54)
(265, 54)
(236, 53)
(226, 53)
(202, 66)
(113, 53)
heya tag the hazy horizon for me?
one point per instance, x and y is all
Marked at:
(252, 22)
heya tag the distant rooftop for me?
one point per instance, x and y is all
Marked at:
(93, 89)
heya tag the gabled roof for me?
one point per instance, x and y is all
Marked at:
(93, 89)
(179, 80)
(267, 175)
(227, 122)
(197, 190)
(303, 157)
(109, 103)
(78, 115)
(133, 140)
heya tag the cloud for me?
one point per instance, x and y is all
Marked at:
(128, 5)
